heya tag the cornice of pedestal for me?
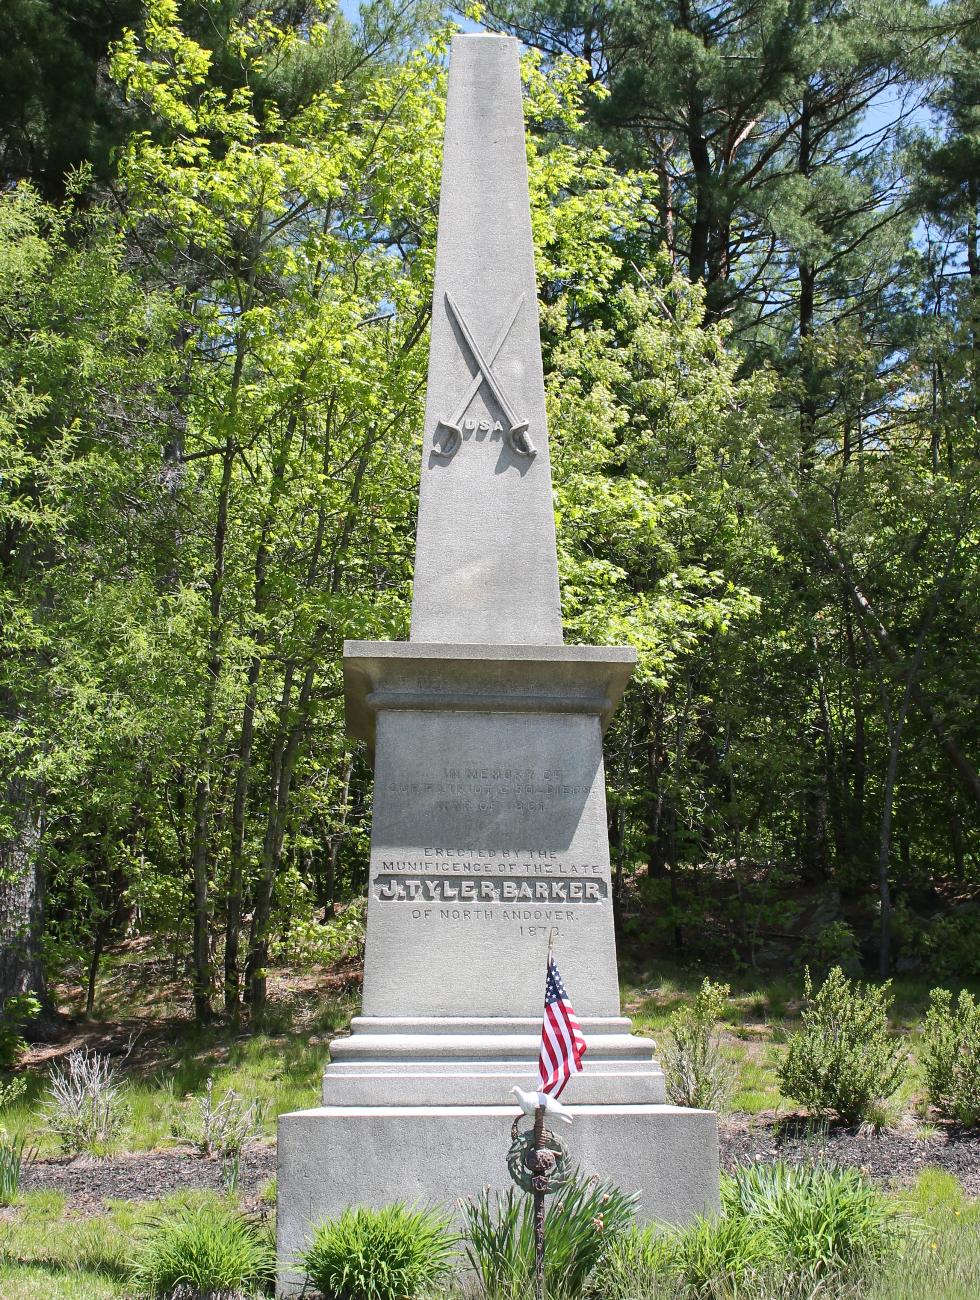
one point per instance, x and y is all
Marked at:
(481, 679)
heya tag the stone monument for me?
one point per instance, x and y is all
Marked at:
(489, 809)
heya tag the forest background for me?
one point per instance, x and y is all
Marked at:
(758, 254)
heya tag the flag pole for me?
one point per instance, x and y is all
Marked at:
(540, 1183)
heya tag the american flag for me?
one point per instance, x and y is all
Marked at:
(562, 1044)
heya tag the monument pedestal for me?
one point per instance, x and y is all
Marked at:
(426, 1154)
(479, 746)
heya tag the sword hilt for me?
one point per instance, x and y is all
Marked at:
(517, 435)
(455, 439)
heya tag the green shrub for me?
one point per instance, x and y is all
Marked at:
(581, 1223)
(11, 1090)
(310, 943)
(835, 944)
(952, 1055)
(818, 1217)
(694, 1070)
(16, 1012)
(12, 1161)
(843, 1061)
(947, 945)
(395, 1253)
(204, 1249)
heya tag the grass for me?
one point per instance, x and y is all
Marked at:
(945, 1262)
(279, 1070)
(45, 1251)
(755, 1026)
(280, 1067)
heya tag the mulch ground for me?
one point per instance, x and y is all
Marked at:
(88, 1183)
(893, 1157)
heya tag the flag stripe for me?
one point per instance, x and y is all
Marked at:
(549, 1047)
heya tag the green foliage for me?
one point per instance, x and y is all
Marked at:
(842, 1060)
(732, 1247)
(310, 944)
(12, 1159)
(17, 1011)
(951, 1057)
(695, 1071)
(211, 381)
(11, 1090)
(835, 944)
(582, 1222)
(785, 1230)
(636, 1262)
(208, 1248)
(814, 1216)
(395, 1253)
(947, 946)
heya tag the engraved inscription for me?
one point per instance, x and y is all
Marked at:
(453, 426)
(490, 862)
(506, 856)
(493, 889)
(487, 788)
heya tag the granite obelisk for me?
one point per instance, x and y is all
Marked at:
(489, 823)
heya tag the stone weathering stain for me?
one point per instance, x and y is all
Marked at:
(489, 827)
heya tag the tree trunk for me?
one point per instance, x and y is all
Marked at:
(200, 844)
(93, 969)
(956, 842)
(22, 898)
(247, 735)
(292, 725)
(896, 726)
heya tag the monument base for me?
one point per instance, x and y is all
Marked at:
(472, 1061)
(439, 1154)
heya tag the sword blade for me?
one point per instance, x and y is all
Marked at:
(477, 379)
(480, 360)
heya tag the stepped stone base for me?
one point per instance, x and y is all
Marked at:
(438, 1154)
(472, 1061)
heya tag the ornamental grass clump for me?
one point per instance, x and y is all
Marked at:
(13, 1158)
(582, 1222)
(204, 1251)
(86, 1107)
(815, 1217)
(786, 1231)
(951, 1057)
(395, 1253)
(843, 1061)
(730, 1248)
(710, 1257)
(695, 1072)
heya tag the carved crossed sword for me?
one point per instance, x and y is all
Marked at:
(517, 433)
